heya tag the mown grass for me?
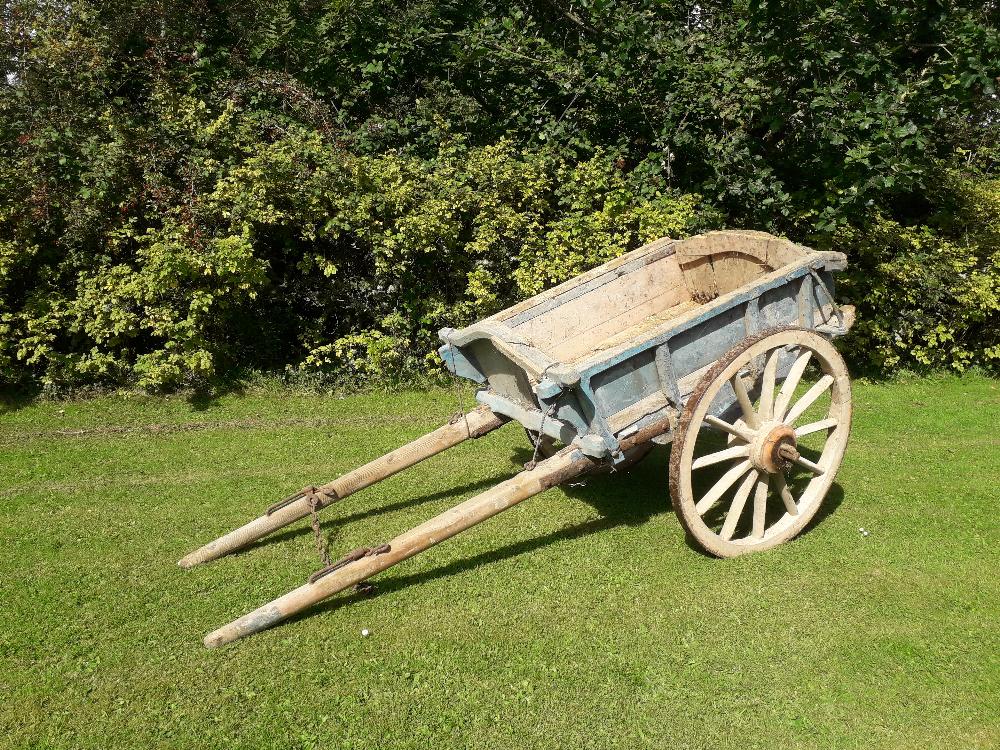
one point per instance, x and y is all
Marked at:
(578, 619)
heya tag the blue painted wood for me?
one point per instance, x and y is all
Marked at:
(532, 419)
(751, 317)
(698, 346)
(806, 303)
(825, 287)
(778, 307)
(459, 364)
(667, 374)
(632, 380)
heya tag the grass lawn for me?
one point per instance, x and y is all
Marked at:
(581, 618)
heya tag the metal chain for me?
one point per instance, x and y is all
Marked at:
(540, 435)
(322, 545)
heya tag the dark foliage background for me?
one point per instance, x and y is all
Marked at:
(188, 190)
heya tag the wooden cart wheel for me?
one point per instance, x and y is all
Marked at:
(754, 478)
(549, 448)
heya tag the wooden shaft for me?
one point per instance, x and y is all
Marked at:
(475, 424)
(566, 464)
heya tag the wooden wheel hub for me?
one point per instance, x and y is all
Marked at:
(774, 448)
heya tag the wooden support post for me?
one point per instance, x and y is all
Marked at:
(566, 464)
(473, 425)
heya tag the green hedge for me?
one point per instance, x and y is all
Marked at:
(303, 255)
(929, 297)
(192, 190)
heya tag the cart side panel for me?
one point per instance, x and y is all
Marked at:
(619, 387)
(780, 306)
(700, 346)
(642, 376)
(639, 377)
(824, 298)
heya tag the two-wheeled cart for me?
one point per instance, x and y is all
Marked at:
(719, 343)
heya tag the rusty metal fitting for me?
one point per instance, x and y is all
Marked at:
(319, 495)
(352, 556)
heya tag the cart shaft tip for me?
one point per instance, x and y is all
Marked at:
(201, 555)
(254, 622)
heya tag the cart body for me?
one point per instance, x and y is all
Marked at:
(593, 360)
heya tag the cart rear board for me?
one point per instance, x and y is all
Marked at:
(719, 343)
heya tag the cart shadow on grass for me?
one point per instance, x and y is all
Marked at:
(305, 530)
(631, 498)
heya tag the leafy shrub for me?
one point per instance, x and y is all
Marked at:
(187, 189)
(298, 253)
(930, 296)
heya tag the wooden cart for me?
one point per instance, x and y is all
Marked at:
(719, 343)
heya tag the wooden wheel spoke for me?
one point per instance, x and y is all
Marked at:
(809, 429)
(739, 432)
(821, 386)
(767, 386)
(719, 488)
(760, 506)
(790, 384)
(786, 494)
(736, 508)
(805, 463)
(737, 451)
(746, 405)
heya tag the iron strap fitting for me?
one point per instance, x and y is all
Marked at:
(352, 556)
(321, 495)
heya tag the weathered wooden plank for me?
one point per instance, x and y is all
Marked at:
(598, 328)
(626, 299)
(584, 283)
(629, 416)
(639, 330)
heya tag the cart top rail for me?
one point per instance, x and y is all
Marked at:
(659, 287)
